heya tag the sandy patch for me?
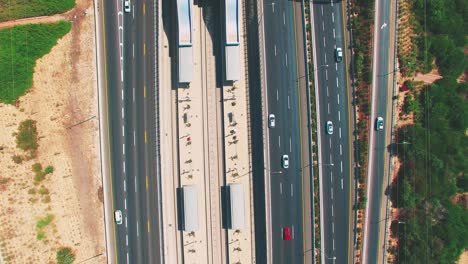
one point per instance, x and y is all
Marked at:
(63, 101)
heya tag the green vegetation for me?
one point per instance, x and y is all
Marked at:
(434, 166)
(26, 138)
(45, 221)
(65, 255)
(15, 9)
(40, 235)
(20, 47)
(39, 174)
(49, 170)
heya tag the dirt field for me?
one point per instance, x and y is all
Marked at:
(63, 101)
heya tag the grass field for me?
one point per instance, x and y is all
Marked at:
(15, 9)
(20, 47)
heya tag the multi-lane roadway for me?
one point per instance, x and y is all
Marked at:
(130, 74)
(333, 104)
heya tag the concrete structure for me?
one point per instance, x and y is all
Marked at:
(190, 208)
(232, 48)
(236, 206)
(185, 55)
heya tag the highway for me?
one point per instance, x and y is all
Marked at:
(334, 154)
(377, 178)
(130, 75)
(285, 88)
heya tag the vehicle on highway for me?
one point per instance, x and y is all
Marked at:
(118, 217)
(379, 123)
(329, 127)
(286, 233)
(285, 161)
(338, 54)
(271, 121)
(127, 6)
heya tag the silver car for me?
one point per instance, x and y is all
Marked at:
(329, 127)
(271, 121)
(127, 6)
(285, 161)
(379, 123)
(118, 217)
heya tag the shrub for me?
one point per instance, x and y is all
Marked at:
(49, 170)
(43, 191)
(65, 256)
(37, 167)
(26, 139)
(17, 159)
(40, 176)
(45, 221)
(40, 235)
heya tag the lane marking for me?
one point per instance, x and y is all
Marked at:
(123, 150)
(326, 74)
(339, 115)
(290, 145)
(325, 55)
(292, 190)
(123, 131)
(331, 193)
(286, 59)
(341, 149)
(275, 49)
(123, 115)
(128, 259)
(337, 84)
(136, 190)
(133, 94)
(144, 8)
(289, 105)
(133, 49)
(333, 227)
(281, 188)
(331, 177)
(133, 11)
(336, 66)
(338, 98)
(144, 91)
(334, 33)
(341, 184)
(328, 107)
(322, 9)
(125, 186)
(277, 95)
(124, 166)
(341, 165)
(279, 141)
(138, 230)
(122, 95)
(126, 222)
(147, 183)
(284, 19)
(327, 92)
(333, 17)
(330, 142)
(125, 204)
(144, 49)
(145, 137)
(134, 138)
(323, 26)
(149, 227)
(273, 6)
(340, 132)
(332, 210)
(126, 240)
(324, 44)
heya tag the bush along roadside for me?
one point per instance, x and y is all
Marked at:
(313, 123)
(360, 22)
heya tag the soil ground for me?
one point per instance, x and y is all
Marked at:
(63, 101)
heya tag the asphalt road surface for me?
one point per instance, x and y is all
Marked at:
(284, 52)
(129, 45)
(379, 140)
(335, 158)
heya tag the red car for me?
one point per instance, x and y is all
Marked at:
(287, 233)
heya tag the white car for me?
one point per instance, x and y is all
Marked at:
(338, 54)
(271, 121)
(285, 161)
(329, 127)
(127, 6)
(379, 123)
(118, 217)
